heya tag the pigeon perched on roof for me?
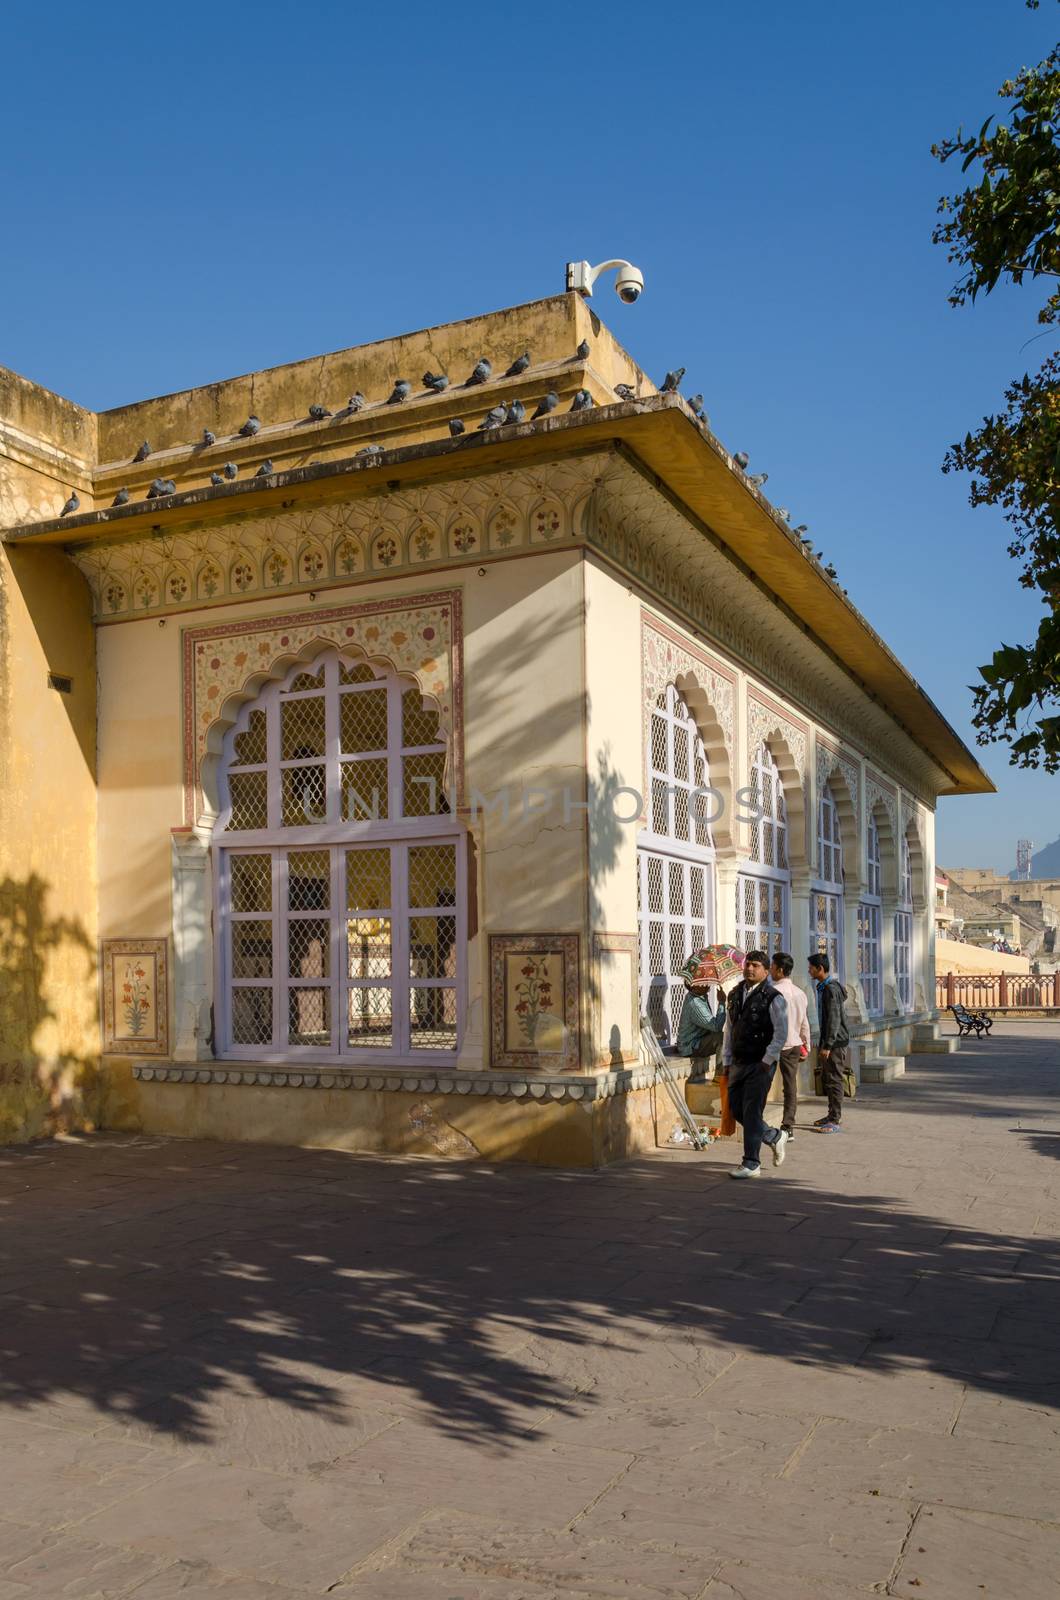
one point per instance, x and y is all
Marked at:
(549, 403)
(495, 417)
(831, 571)
(519, 365)
(516, 412)
(740, 459)
(143, 452)
(356, 402)
(160, 488)
(625, 391)
(401, 391)
(456, 427)
(800, 530)
(758, 479)
(230, 470)
(217, 478)
(121, 498)
(250, 427)
(72, 504)
(438, 381)
(265, 470)
(482, 371)
(208, 437)
(583, 349)
(318, 412)
(672, 381)
(371, 450)
(783, 513)
(696, 405)
(583, 401)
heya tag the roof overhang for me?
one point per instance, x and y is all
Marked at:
(687, 462)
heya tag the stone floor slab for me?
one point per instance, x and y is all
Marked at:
(960, 1555)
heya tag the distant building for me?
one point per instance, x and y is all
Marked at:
(1024, 852)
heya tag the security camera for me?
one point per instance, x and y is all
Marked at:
(628, 284)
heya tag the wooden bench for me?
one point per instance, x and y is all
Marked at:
(969, 1022)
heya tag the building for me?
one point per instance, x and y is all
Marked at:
(365, 783)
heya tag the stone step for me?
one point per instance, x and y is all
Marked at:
(883, 1069)
(935, 1047)
(923, 1032)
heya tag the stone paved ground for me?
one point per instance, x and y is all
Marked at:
(256, 1374)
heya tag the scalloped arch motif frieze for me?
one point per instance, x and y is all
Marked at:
(665, 658)
(762, 721)
(646, 536)
(392, 532)
(877, 794)
(829, 761)
(420, 635)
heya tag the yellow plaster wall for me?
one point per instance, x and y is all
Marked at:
(461, 1127)
(953, 956)
(49, 1042)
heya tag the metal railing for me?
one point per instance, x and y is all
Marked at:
(998, 991)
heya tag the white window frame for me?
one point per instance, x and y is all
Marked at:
(682, 859)
(395, 832)
(903, 929)
(767, 871)
(870, 926)
(827, 908)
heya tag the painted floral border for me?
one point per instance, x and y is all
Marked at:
(155, 1043)
(566, 945)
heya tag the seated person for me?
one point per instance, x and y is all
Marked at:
(700, 1030)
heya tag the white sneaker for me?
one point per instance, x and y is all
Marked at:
(777, 1146)
(745, 1172)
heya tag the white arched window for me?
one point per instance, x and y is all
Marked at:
(675, 862)
(903, 929)
(339, 873)
(870, 914)
(763, 887)
(826, 897)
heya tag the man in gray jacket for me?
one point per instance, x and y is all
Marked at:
(832, 1045)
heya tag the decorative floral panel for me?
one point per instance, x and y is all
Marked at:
(135, 997)
(534, 1002)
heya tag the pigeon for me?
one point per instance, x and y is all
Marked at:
(625, 392)
(741, 459)
(519, 365)
(143, 452)
(696, 405)
(265, 470)
(438, 381)
(831, 571)
(495, 417)
(583, 401)
(121, 498)
(230, 470)
(516, 412)
(208, 437)
(482, 371)
(250, 427)
(371, 450)
(784, 513)
(356, 402)
(401, 391)
(72, 504)
(807, 545)
(318, 412)
(671, 381)
(549, 403)
(217, 478)
(582, 351)
(456, 427)
(759, 479)
(800, 530)
(160, 488)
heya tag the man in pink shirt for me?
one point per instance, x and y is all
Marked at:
(797, 1044)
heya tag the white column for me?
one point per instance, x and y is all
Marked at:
(192, 945)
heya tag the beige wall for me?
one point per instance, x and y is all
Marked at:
(952, 956)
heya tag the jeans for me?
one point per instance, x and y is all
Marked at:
(789, 1073)
(832, 1069)
(748, 1091)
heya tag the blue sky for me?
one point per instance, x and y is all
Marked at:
(201, 195)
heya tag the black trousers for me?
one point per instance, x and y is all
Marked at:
(832, 1069)
(748, 1092)
(789, 1074)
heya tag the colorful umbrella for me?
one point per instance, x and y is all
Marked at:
(715, 963)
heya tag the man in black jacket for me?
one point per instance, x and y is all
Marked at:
(756, 1028)
(835, 1036)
